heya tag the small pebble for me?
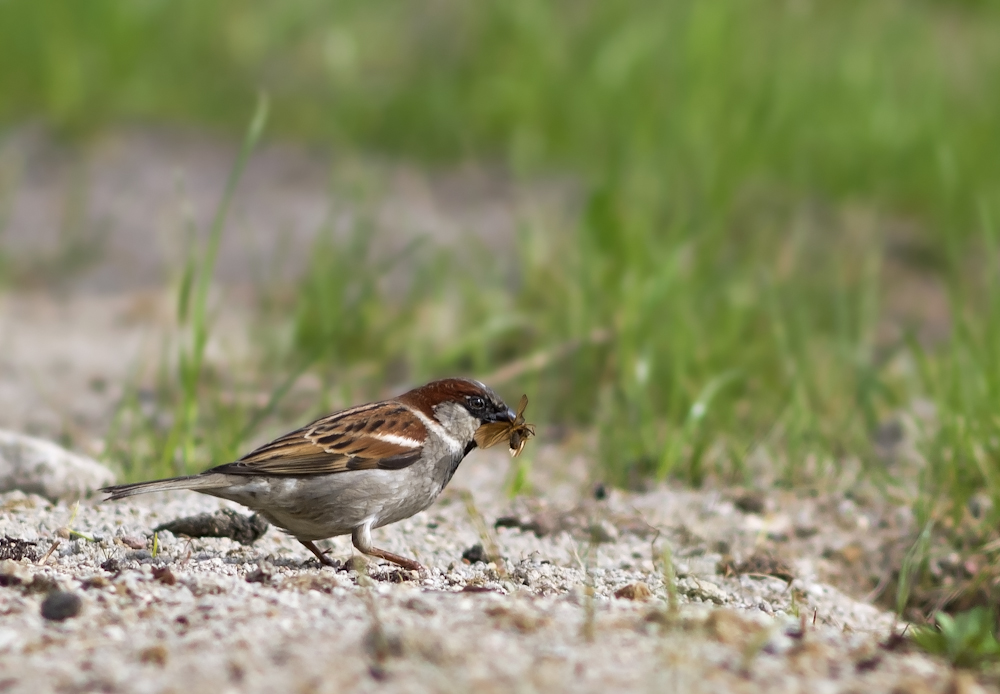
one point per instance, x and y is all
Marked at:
(154, 655)
(262, 574)
(163, 574)
(133, 542)
(634, 591)
(751, 501)
(60, 605)
(112, 565)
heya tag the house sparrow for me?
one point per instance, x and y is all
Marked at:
(354, 470)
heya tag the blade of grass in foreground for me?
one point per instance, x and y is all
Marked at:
(193, 316)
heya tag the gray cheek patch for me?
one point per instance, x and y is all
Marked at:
(457, 421)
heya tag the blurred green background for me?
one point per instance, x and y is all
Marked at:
(785, 243)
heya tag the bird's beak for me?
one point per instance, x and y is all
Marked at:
(508, 416)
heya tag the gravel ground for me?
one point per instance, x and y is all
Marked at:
(564, 611)
(578, 600)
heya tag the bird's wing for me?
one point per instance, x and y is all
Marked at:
(383, 436)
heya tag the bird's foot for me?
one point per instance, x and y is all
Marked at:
(410, 565)
(320, 554)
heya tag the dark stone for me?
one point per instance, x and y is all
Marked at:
(468, 588)
(895, 643)
(751, 502)
(59, 605)
(475, 553)
(223, 523)
(542, 524)
(505, 522)
(868, 664)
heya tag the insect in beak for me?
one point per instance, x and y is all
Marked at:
(515, 431)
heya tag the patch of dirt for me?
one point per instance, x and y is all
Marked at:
(559, 612)
(589, 520)
(16, 549)
(772, 590)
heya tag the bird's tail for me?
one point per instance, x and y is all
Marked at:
(198, 483)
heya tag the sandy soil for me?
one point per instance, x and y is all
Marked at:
(771, 589)
(578, 601)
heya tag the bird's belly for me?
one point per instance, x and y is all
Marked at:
(314, 508)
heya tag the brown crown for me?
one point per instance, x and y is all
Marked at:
(426, 397)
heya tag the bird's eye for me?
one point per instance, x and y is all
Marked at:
(476, 402)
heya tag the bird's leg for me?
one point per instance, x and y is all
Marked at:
(408, 564)
(321, 555)
(362, 539)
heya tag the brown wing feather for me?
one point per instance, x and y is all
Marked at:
(340, 442)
